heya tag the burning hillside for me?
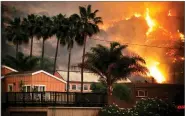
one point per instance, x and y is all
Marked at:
(157, 40)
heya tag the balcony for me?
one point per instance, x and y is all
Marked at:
(54, 99)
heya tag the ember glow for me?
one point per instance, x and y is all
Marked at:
(137, 15)
(181, 35)
(169, 13)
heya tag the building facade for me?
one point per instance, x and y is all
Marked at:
(75, 80)
(31, 81)
(150, 90)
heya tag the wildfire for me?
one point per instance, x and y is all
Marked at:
(169, 13)
(151, 23)
(181, 35)
(155, 69)
(155, 72)
(137, 15)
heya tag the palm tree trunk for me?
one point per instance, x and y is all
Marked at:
(56, 53)
(42, 53)
(69, 61)
(82, 69)
(31, 48)
(109, 93)
(17, 47)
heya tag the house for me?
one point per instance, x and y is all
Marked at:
(75, 80)
(29, 81)
(153, 90)
(150, 90)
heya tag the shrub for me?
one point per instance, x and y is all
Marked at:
(154, 107)
(145, 107)
(111, 110)
(98, 87)
(121, 91)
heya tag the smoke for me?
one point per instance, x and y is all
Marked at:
(120, 23)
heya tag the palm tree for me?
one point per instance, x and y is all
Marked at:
(59, 28)
(88, 27)
(111, 65)
(15, 32)
(31, 24)
(21, 63)
(44, 31)
(71, 36)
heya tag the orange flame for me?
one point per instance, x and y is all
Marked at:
(181, 35)
(169, 13)
(151, 23)
(155, 72)
(137, 15)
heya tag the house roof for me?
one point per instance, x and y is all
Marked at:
(58, 75)
(4, 66)
(88, 77)
(34, 73)
(42, 71)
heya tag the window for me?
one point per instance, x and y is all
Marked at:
(40, 88)
(85, 87)
(141, 93)
(26, 88)
(73, 87)
(35, 88)
(10, 87)
(68, 86)
(78, 87)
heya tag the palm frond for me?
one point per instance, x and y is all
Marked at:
(89, 9)
(83, 12)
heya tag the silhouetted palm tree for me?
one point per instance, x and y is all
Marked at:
(88, 27)
(31, 26)
(71, 36)
(44, 31)
(15, 32)
(59, 28)
(111, 65)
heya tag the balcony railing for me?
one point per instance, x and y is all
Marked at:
(54, 99)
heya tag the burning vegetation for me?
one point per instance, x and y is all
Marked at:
(163, 45)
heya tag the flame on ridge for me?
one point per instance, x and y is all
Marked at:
(155, 72)
(151, 23)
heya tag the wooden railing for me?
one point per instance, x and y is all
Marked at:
(54, 99)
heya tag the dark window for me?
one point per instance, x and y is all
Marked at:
(28, 88)
(36, 88)
(141, 93)
(39, 88)
(73, 87)
(10, 88)
(85, 87)
(42, 88)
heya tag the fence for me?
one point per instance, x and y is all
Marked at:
(54, 99)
